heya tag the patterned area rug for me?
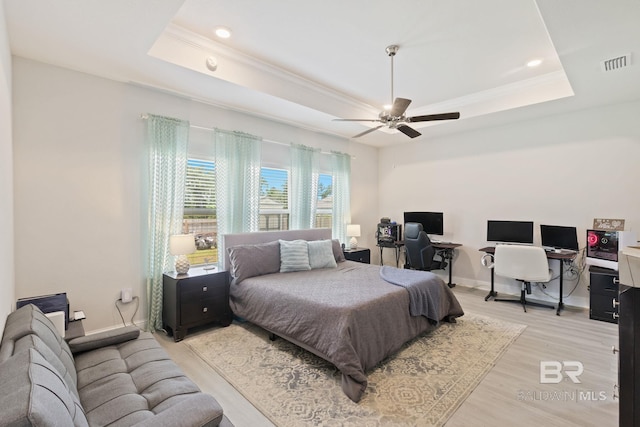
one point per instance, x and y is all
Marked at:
(422, 385)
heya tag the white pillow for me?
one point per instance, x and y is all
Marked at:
(294, 256)
(321, 254)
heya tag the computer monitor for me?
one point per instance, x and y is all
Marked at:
(559, 237)
(510, 231)
(432, 222)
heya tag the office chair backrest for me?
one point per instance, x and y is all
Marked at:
(527, 263)
(417, 245)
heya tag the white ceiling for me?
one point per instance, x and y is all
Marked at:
(306, 63)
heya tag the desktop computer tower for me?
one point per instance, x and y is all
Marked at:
(388, 234)
(603, 247)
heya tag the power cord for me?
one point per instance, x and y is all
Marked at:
(573, 272)
(137, 300)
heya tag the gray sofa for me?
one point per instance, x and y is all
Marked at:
(118, 378)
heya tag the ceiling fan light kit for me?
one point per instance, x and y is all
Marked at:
(394, 117)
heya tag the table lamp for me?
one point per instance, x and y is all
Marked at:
(181, 245)
(353, 231)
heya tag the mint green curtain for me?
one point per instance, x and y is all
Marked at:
(303, 191)
(341, 172)
(167, 140)
(237, 158)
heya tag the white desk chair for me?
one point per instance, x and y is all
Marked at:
(526, 264)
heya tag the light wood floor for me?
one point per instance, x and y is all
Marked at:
(512, 393)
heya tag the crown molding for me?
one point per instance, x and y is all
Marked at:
(256, 71)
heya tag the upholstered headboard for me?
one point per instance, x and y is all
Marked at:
(229, 240)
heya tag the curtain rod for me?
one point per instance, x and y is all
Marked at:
(146, 116)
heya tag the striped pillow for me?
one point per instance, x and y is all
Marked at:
(294, 256)
(321, 254)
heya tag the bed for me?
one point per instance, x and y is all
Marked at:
(343, 312)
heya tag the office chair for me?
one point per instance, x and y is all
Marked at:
(419, 250)
(526, 264)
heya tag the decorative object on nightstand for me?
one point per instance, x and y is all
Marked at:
(181, 245)
(362, 255)
(353, 231)
(194, 299)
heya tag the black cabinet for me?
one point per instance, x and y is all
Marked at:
(603, 294)
(193, 299)
(359, 255)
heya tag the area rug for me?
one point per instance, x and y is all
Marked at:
(421, 385)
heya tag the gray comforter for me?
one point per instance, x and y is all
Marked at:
(347, 315)
(424, 296)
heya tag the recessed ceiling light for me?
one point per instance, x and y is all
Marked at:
(534, 63)
(387, 107)
(222, 32)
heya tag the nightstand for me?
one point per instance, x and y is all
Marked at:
(359, 255)
(193, 299)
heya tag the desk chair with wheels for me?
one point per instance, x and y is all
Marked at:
(419, 250)
(526, 264)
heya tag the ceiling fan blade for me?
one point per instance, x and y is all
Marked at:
(410, 132)
(400, 105)
(367, 131)
(432, 117)
(356, 120)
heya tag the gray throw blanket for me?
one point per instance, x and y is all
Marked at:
(423, 287)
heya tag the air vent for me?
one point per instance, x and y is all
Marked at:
(616, 63)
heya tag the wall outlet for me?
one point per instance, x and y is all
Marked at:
(126, 295)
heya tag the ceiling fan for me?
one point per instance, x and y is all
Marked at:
(395, 117)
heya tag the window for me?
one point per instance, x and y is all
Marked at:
(324, 208)
(274, 199)
(200, 210)
(200, 217)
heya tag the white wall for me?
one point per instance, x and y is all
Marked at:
(7, 285)
(562, 170)
(80, 205)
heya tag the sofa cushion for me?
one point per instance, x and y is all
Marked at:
(133, 381)
(30, 320)
(33, 393)
(102, 339)
(33, 341)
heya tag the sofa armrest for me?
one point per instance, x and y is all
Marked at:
(103, 339)
(197, 410)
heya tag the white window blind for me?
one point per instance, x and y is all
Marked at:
(200, 191)
(274, 199)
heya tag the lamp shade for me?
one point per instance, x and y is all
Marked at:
(182, 244)
(353, 230)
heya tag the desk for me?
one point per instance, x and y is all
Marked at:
(562, 256)
(396, 245)
(443, 249)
